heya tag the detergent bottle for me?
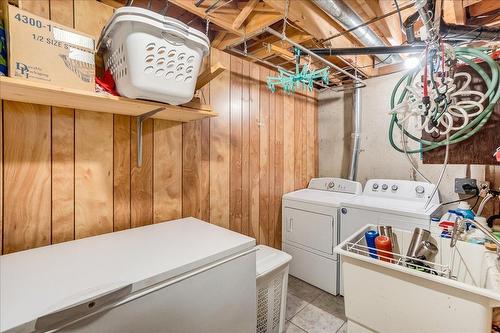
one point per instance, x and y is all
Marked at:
(465, 210)
(474, 235)
(444, 226)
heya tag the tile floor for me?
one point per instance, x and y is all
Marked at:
(311, 310)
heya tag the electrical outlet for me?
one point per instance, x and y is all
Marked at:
(460, 182)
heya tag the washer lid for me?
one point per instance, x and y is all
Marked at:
(410, 208)
(319, 197)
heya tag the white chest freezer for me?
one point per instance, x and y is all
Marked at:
(178, 276)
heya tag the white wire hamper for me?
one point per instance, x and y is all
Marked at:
(152, 56)
(272, 280)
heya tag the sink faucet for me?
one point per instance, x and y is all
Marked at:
(459, 227)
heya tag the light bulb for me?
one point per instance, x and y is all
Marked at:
(411, 62)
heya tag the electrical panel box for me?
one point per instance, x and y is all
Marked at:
(459, 185)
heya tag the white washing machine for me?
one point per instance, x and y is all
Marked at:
(310, 229)
(398, 203)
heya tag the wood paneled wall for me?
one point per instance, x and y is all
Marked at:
(69, 174)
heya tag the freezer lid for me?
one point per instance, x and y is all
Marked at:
(37, 282)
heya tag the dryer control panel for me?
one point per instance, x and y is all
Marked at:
(400, 189)
(335, 185)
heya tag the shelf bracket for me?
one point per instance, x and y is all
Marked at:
(140, 119)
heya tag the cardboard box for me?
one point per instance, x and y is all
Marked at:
(44, 51)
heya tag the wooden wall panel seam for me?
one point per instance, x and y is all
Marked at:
(253, 131)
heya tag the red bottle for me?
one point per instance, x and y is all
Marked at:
(383, 243)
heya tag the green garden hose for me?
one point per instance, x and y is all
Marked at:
(493, 94)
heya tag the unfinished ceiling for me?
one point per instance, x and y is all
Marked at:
(239, 27)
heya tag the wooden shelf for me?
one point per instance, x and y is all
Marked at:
(19, 90)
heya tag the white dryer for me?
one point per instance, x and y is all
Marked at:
(398, 203)
(310, 229)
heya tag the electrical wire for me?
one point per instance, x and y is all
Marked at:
(375, 64)
(380, 61)
(405, 148)
(399, 15)
(440, 179)
(475, 203)
(464, 199)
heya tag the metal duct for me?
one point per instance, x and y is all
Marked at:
(356, 135)
(349, 19)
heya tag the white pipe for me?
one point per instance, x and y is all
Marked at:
(483, 203)
(356, 144)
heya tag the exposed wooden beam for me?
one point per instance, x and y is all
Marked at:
(372, 9)
(260, 7)
(487, 21)
(245, 12)
(283, 52)
(389, 69)
(392, 22)
(256, 23)
(209, 74)
(468, 3)
(287, 55)
(229, 40)
(317, 23)
(262, 50)
(223, 20)
(484, 7)
(113, 3)
(294, 34)
(438, 15)
(459, 12)
(218, 39)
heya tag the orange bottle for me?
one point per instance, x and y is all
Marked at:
(383, 245)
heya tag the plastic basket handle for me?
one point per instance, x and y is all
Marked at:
(179, 32)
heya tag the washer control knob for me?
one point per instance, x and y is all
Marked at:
(375, 186)
(385, 187)
(331, 185)
(394, 187)
(420, 189)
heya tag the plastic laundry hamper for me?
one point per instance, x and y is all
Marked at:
(272, 280)
(152, 56)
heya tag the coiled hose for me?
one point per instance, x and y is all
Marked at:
(493, 94)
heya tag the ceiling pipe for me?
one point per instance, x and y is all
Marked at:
(349, 19)
(343, 51)
(466, 33)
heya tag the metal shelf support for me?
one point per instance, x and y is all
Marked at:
(139, 120)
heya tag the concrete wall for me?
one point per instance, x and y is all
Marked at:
(377, 158)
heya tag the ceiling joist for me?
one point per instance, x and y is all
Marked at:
(245, 12)
(317, 23)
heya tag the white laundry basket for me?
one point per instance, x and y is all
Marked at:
(272, 279)
(152, 56)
